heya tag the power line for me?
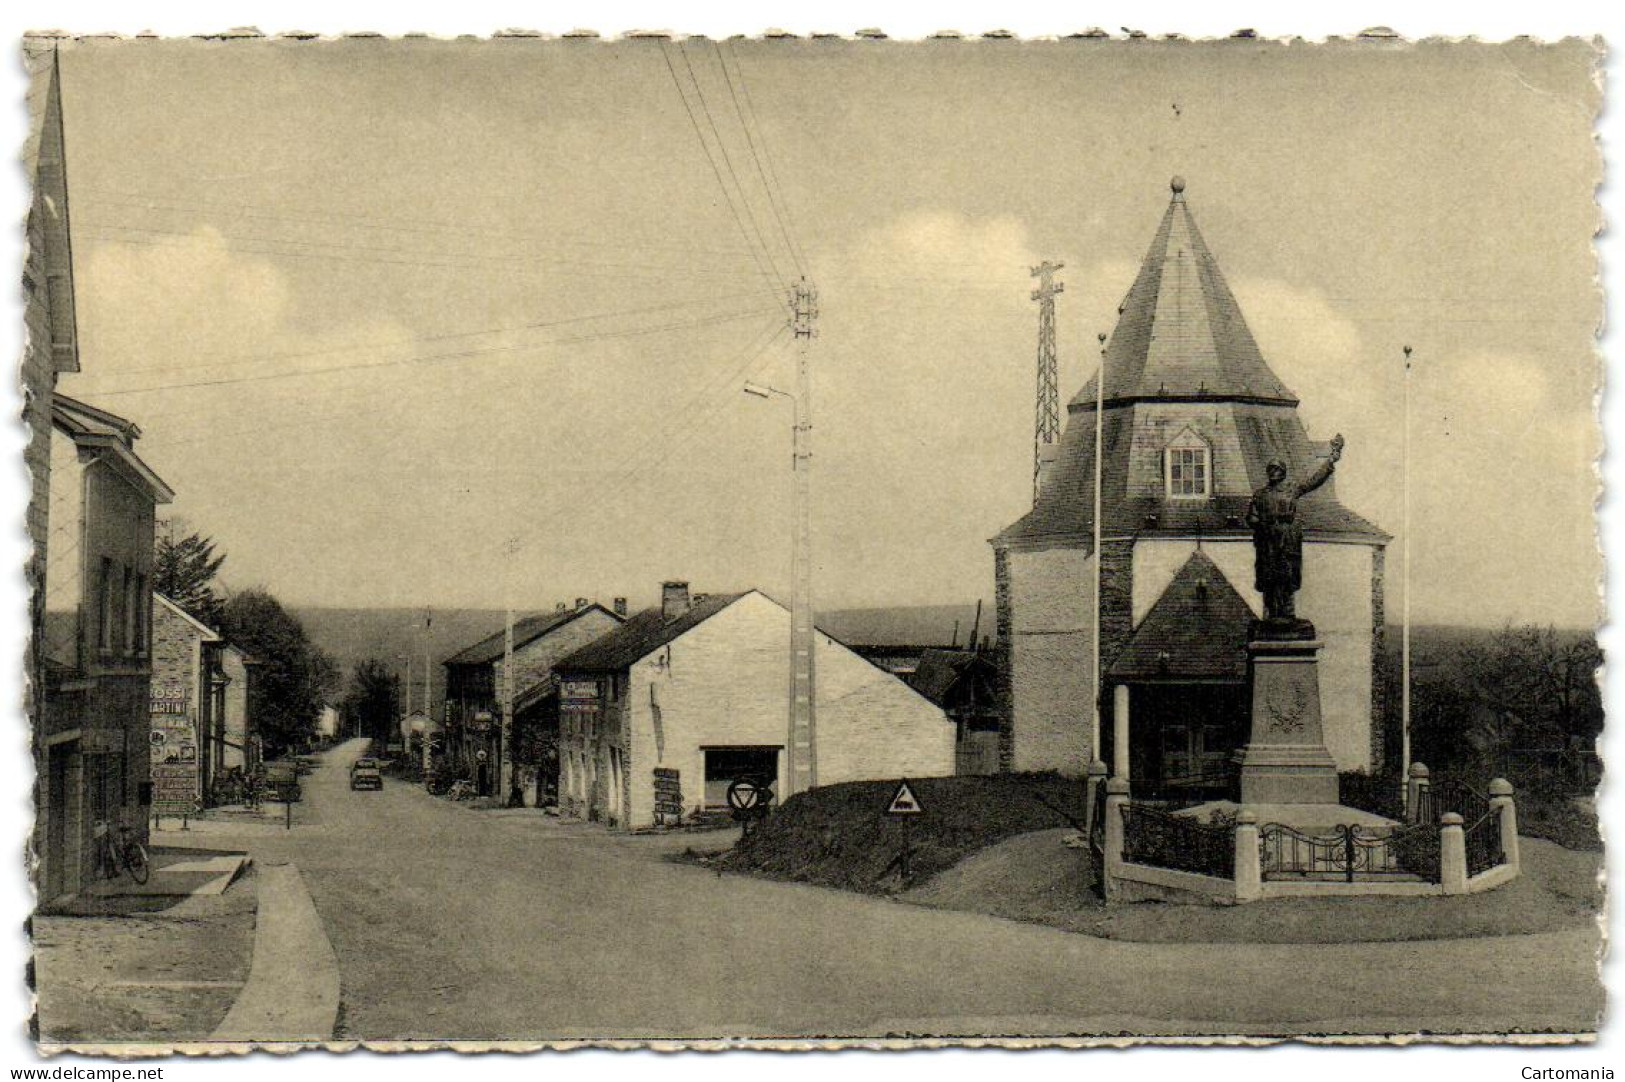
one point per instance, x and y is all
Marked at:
(374, 222)
(337, 252)
(796, 254)
(727, 160)
(433, 358)
(240, 360)
(711, 160)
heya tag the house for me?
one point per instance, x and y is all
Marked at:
(659, 716)
(1192, 416)
(474, 693)
(96, 642)
(236, 744)
(50, 347)
(188, 692)
(965, 683)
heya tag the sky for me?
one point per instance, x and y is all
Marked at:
(1262, 215)
(465, 323)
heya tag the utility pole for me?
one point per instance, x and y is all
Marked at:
(1405, 579)
(1047, 418)
(802, 749)
(1100, 443)
(505, 744)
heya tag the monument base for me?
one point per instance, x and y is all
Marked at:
(1286, 761)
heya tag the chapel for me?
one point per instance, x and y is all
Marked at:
(1192, 415)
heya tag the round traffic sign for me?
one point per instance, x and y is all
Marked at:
(747, 793)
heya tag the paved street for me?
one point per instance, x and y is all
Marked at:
(453, 923)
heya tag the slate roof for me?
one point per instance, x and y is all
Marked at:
(91, 427)
(940, 670)
(1180, 331)
(1197, 630)
(525, 632)
(1180, 339)
(640, 636)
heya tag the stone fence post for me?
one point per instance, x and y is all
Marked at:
(1452, 854)
(1249, 870)
(1501, 801)
(1415, 786)
(1091, 786)
(1112, 858)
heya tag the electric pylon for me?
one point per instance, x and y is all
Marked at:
(1047, 417)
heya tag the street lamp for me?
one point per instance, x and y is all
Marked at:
(801, 747)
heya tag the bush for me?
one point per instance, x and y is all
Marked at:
(1562, 820)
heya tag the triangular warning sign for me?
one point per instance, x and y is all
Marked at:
(904, 802)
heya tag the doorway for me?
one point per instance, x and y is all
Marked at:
(1182, 738)
(726, 765)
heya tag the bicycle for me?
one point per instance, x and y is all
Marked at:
(124, 855)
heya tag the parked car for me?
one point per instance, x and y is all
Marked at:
(365, 774)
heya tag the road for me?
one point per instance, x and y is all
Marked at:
(451, 923)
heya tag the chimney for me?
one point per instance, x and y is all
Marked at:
(620, 606)
(673, 600)
(581, 602)
(560, 607)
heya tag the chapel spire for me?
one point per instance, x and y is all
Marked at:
(1180, 333)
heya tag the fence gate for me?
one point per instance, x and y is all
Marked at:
(1349, 854)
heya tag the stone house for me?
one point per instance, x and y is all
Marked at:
(187, 690)
(474, 692)
(1192, 415)
(93, 731)
(658, 717)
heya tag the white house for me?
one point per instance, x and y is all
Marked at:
(660, 715)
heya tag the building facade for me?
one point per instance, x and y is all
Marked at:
(658, 717)
(1192, 416)
(474, 688)
(187, 694)
(96, 648)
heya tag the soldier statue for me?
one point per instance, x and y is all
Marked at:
(1278, 539)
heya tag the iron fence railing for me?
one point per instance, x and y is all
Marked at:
(1349, 854)
(1450, 795)
(1161, 840)
(1483, 843)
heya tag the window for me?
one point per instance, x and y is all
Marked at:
(143, 613)
(104, 606)
(1186, 467)
(132, 611)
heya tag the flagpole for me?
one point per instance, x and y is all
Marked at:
(1100, 413)
(1405, 578)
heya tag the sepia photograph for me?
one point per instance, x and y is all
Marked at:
(784, 540)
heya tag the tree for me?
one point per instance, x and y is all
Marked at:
(294, 679)
(184, 571)
(1497, 702)
(370, 705)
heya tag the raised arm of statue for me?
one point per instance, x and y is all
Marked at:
(1324, 470)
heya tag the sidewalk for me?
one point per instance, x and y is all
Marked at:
(292, 993)
(140, 965)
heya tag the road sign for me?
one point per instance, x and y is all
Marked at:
(748, 794)
(904, 802)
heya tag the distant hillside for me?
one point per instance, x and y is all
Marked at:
(907, 625)
(352, 636)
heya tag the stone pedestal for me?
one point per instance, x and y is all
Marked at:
(1286, 761)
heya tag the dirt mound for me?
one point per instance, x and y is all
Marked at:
(840, 836)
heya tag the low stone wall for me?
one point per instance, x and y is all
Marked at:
(1127, 880)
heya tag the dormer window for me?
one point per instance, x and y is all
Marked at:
(1186, 468)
